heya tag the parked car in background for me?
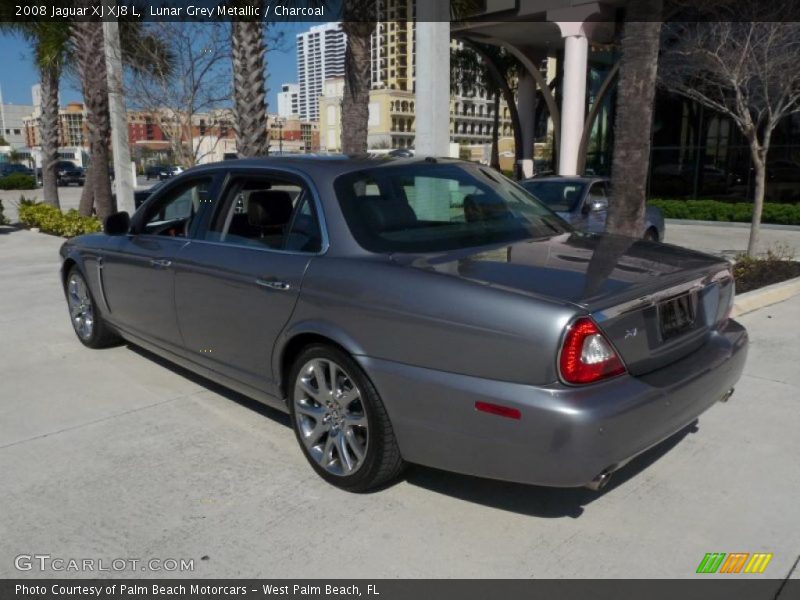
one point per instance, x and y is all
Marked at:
(583, 202)
(168, 172)
(7, 169)
(153, 171)
(414, 310)
(73, 176)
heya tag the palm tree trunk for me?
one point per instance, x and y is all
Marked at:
(86, 203)
(495, 161)
(635, 94)
(355, 104)
(249, 90)
(88, 41)
(50, 77)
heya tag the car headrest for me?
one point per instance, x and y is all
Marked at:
(269, 208)
(388, 215)
(477, 208)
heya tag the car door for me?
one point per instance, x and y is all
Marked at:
(138, 273)
(239, 280)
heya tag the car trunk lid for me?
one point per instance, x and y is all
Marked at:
(655, 302)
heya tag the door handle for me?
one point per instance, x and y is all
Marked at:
(160, 263)
(273, 284)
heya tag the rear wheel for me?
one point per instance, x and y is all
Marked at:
(340, 421)
(88, 323)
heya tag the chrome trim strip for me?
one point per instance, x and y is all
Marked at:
(101, 284)
(656, 297)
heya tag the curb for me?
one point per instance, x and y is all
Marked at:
(771, 294)
(736, 224)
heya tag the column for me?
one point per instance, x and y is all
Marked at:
(573, 96)
(433, 79)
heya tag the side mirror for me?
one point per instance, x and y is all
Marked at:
(597, 204)
(118, 223)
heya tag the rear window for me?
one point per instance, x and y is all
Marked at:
(430, 207)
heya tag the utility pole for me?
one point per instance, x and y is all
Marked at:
(2, 115)
(124, 177)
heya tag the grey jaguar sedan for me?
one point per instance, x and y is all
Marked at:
(414, 311)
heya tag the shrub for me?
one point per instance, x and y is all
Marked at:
(49, 219)
(17, 181)
(2, 216)
(754, 272)
(739, 212)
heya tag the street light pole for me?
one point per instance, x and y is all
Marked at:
(124, 178)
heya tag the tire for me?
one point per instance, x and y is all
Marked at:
(87, 322)
(651, 235)
(334, 423)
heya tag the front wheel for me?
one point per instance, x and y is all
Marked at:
(340, 421)
(88, 323)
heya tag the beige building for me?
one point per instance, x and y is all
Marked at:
(391, 118)
(392, 122)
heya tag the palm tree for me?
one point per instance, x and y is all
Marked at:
(89, 51)
(249, 86)
(49, 44)
(635, 95)
(471, 72)
(359, 19)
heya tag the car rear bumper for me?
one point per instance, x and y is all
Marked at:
(566, 436)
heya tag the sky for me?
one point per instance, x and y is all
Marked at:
(17, 73)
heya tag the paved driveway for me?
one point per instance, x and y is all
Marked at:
(114, 454)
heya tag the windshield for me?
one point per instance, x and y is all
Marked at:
(429, 207)
(560, 196)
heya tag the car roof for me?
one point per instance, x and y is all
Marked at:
(333, 164)
(566, 178)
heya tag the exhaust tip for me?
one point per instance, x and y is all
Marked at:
(727, 395)
(599, 482)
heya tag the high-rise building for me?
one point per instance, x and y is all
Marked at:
(289, 100)
(320, 55)
(393, 46)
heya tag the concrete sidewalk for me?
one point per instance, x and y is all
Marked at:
(729, 239)
(114, 454)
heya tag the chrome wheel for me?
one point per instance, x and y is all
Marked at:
(81, 310)
(330, 417)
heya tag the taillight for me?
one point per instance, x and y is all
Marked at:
(586, 355)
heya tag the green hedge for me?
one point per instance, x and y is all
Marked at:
(18, 181)
(740, 212)
(49, 219)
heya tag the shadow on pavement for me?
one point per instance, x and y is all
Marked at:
(255, 405)
(530, 500)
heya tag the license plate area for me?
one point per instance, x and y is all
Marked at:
(677, 315)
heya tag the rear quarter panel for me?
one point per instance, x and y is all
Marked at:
(382, 310)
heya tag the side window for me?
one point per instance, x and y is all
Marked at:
(173, 214)
(304, 234)
(265, 212)
(598, 190)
